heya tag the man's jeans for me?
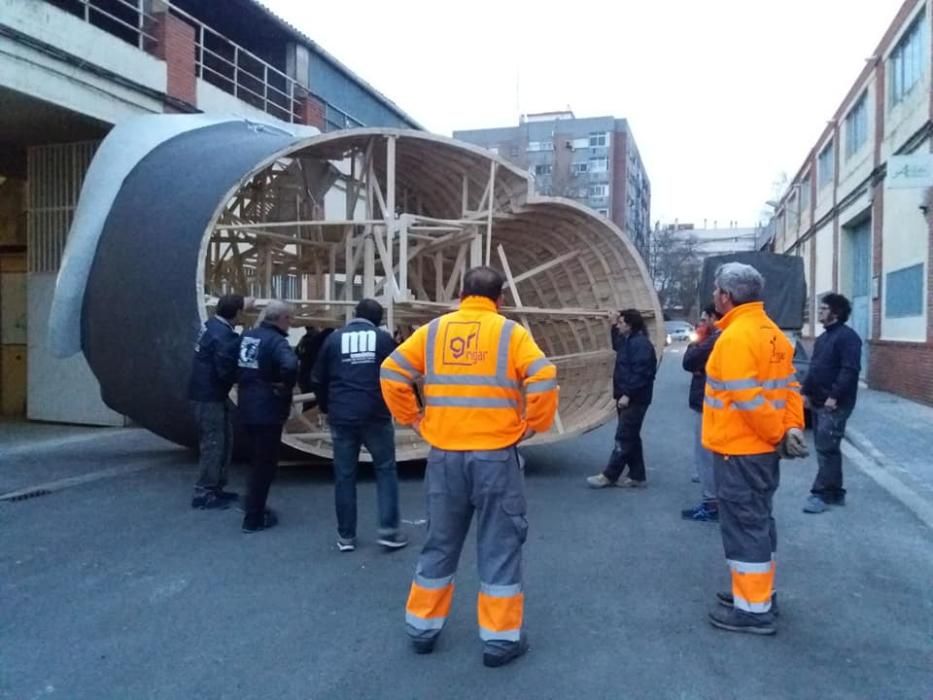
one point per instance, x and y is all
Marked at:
(829, 427)
(627, 451)
(703, 460)
(379, 439)
(215, 431)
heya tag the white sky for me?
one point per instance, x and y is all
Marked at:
(722, 95)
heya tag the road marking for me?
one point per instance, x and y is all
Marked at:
(59, 484)
(881, 472)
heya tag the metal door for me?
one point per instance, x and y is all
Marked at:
(860, 248)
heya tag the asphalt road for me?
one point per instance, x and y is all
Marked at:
(115, 588)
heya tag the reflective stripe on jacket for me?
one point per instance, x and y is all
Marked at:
(486, 381)
(752, 395)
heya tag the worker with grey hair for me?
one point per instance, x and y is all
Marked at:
(752, 415)
(267, 371)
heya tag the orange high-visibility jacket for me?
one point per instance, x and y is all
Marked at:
(752, 394)
(475, 365)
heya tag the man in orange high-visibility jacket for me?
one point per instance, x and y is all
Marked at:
(752, 411)
(479, 371)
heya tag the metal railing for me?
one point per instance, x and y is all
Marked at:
(241, 73)
(218, 60)
(125, 19)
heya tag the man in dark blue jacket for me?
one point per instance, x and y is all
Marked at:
(212, 375)
(346, 382)
(267, 371)
(632, 388)
(831, 387)
(695, 358)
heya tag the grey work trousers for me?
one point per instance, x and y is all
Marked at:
(703, 461)
(491, 484)
(745, 486)
(215, 431)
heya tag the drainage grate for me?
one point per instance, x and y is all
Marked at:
(26, 496)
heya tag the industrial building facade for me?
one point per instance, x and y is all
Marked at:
(69, 70)
(592, 160)
(859, 209)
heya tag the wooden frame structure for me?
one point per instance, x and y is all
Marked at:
(400, 216)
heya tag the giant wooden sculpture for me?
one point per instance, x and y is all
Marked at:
(322, 222)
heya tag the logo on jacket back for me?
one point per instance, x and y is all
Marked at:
(249, 353)
(358, 347)
(461, 343)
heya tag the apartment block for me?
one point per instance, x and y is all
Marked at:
(592, 160)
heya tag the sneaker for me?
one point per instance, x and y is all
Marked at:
(839, 500)
(495, 659)
(253, 524)
(726, 600)
(735, 620)
(627, 483)
(599, 481)
(423, 646)
(394, 541)
(815, 504)
(209, 501)
(227, 495)
(346, 544)
(701, 513)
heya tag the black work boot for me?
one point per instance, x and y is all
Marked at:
(210, 500)
(495, 658)
(253, 523)
(725, 599)
(735, 620)
(423, 646)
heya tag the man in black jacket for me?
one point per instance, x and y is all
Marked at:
(346, 383)
(831, 387)
(267, 370)
(632, 388)
(695, 357)
(212, 375)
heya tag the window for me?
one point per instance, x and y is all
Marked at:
(599, 140)
(905, 64)
(540, 146)
(578, 168)
(598, 191)
(904, 292)
(805, 195)
(599, 165)
(825, 166)
(543, 169)
(857, 126)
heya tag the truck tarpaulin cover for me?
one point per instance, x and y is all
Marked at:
(785, 285)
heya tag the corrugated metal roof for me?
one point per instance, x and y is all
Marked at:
(330, 58)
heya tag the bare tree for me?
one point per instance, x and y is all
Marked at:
(675, 264)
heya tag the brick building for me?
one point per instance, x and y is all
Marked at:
(593, 160)
(69, 70)
(859, 208)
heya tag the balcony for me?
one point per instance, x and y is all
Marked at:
(219, 61)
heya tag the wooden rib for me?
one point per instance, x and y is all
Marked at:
(572, 266)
